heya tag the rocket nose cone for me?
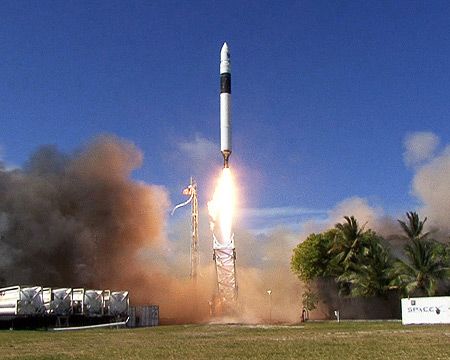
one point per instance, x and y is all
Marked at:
(224, 53)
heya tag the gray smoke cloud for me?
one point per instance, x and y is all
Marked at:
(431, 185)
(357, 206)
(263, 263)
(431, 179)
(78, 219)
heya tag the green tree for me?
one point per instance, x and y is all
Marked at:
(413, 228)
(424, 265)
(347, 244)
(311, 258)
(443, 250)
(373, 274)
(310, 299)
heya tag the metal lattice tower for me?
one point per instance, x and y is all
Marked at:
(224, 255)
(225, 260)
(195, 258)
(191, 191)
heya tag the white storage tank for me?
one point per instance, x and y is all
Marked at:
(93, 303)
(58, 301)
(118, 304)
(22, 300)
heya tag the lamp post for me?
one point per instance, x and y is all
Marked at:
(270, 305)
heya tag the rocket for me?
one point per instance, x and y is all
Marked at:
(225, 104)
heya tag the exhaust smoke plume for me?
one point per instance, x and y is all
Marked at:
(431, 185)
(263, 263)
(79, 220)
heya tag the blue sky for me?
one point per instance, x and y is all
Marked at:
(324, 92)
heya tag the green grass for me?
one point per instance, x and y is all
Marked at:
(328, 340)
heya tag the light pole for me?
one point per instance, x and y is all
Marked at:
(270, 305)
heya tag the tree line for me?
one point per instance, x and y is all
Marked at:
(363, 264)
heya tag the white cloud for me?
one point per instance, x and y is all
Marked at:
(199, 150)
(286, 211)
(419, 147)
(306, 220)
(266, 220)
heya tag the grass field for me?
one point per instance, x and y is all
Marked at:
(329, 340)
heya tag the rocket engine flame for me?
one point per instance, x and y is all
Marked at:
(221, 208)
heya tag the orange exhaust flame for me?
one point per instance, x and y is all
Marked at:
(221, 207)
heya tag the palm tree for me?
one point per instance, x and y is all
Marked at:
(423, 266)
(373, 273)
(423, 269)
(413, 229)
(347, 244)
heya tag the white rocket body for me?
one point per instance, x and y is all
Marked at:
(225, 103)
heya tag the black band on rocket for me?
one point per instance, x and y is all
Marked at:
(225, 83)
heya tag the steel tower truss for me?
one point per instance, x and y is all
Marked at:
(224, 256)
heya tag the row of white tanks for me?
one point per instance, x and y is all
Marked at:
(41, 301)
